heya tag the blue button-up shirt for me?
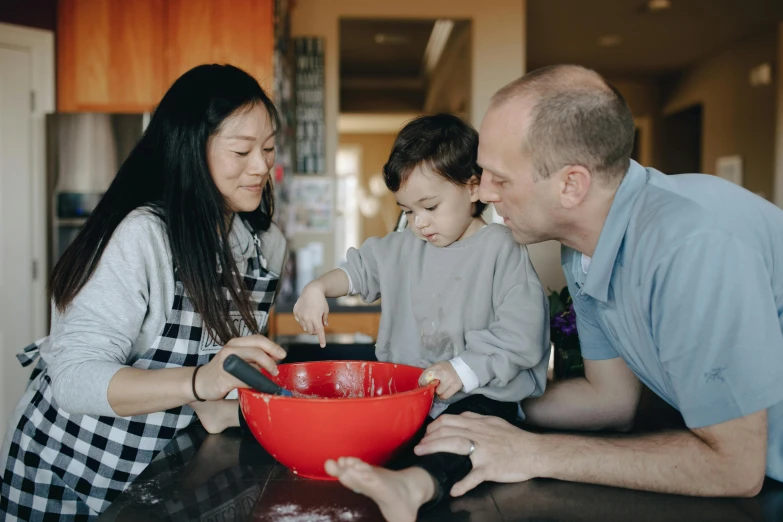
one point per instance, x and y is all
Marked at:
(686, 285)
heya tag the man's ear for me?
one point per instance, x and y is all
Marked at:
(473, 185)
(574, 185)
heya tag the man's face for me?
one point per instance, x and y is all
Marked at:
(509, 179)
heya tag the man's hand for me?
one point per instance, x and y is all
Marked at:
(443, 371)
(726, 459)
(503, 453)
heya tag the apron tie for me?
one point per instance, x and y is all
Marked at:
(32, 352)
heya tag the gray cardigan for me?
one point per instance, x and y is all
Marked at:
(123, 308)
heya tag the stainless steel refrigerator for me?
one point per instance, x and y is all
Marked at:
(84, 153)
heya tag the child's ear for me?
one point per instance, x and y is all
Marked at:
(473, 186)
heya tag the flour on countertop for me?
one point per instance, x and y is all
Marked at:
(146, 493)
(294, 513)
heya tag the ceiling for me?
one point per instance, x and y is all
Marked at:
(381, 60)
(397, 66)
(383, 48)
(381, 64)
(652, 43)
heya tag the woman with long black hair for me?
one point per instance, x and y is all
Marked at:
(175, 270)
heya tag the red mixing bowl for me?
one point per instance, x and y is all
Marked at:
(364, 409)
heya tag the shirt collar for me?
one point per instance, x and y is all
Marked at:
(606, 254)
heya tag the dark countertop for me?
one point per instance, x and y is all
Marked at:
(229, 477)
(347, 304)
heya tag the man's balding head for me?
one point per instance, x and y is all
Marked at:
(572, 117)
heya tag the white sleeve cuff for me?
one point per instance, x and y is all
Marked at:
(468, 377)
(351, 290)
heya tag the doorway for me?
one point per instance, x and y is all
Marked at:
(391, 71)
(681, 141)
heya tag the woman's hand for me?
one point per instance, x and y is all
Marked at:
(218, 415)
(213, 382)
(311, 311)
(443, 371)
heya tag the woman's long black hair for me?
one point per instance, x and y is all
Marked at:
(168, 171)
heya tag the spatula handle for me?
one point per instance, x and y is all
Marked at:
(252, 377)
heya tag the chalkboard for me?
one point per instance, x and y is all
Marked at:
(310, 143)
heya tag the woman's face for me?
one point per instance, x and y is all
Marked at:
(240, 157)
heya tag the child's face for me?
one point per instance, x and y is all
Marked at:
(438, 211)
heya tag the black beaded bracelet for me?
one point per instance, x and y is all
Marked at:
(193, 383)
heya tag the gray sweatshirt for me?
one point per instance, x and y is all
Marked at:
(478, 299)
(123, 308)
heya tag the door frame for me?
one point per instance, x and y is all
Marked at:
(40, 44)
(777, 188)
(644, 124)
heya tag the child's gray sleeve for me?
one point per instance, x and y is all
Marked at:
(362, 269)
(517, 339)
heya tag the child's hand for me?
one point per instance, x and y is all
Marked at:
(312, 312)
(450, 383)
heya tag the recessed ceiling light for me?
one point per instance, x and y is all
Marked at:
(610, 40)
(658, 5)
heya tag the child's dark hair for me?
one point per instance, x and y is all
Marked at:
(445, 142)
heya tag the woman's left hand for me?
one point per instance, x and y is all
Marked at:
(443, 371)
(213, 382)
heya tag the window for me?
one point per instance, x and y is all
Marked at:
(346, 226)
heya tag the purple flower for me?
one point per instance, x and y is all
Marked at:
(564, 323)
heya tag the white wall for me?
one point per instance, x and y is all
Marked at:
(738, 118)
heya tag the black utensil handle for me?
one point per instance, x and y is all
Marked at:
(250, 376)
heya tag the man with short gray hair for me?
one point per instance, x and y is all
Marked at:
(677, 283)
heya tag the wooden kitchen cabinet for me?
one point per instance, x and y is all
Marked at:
(284, 324)
(122, 56)
(110, 55)
(240, 32)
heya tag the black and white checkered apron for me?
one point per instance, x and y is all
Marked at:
(63, 466)
(159, 492)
